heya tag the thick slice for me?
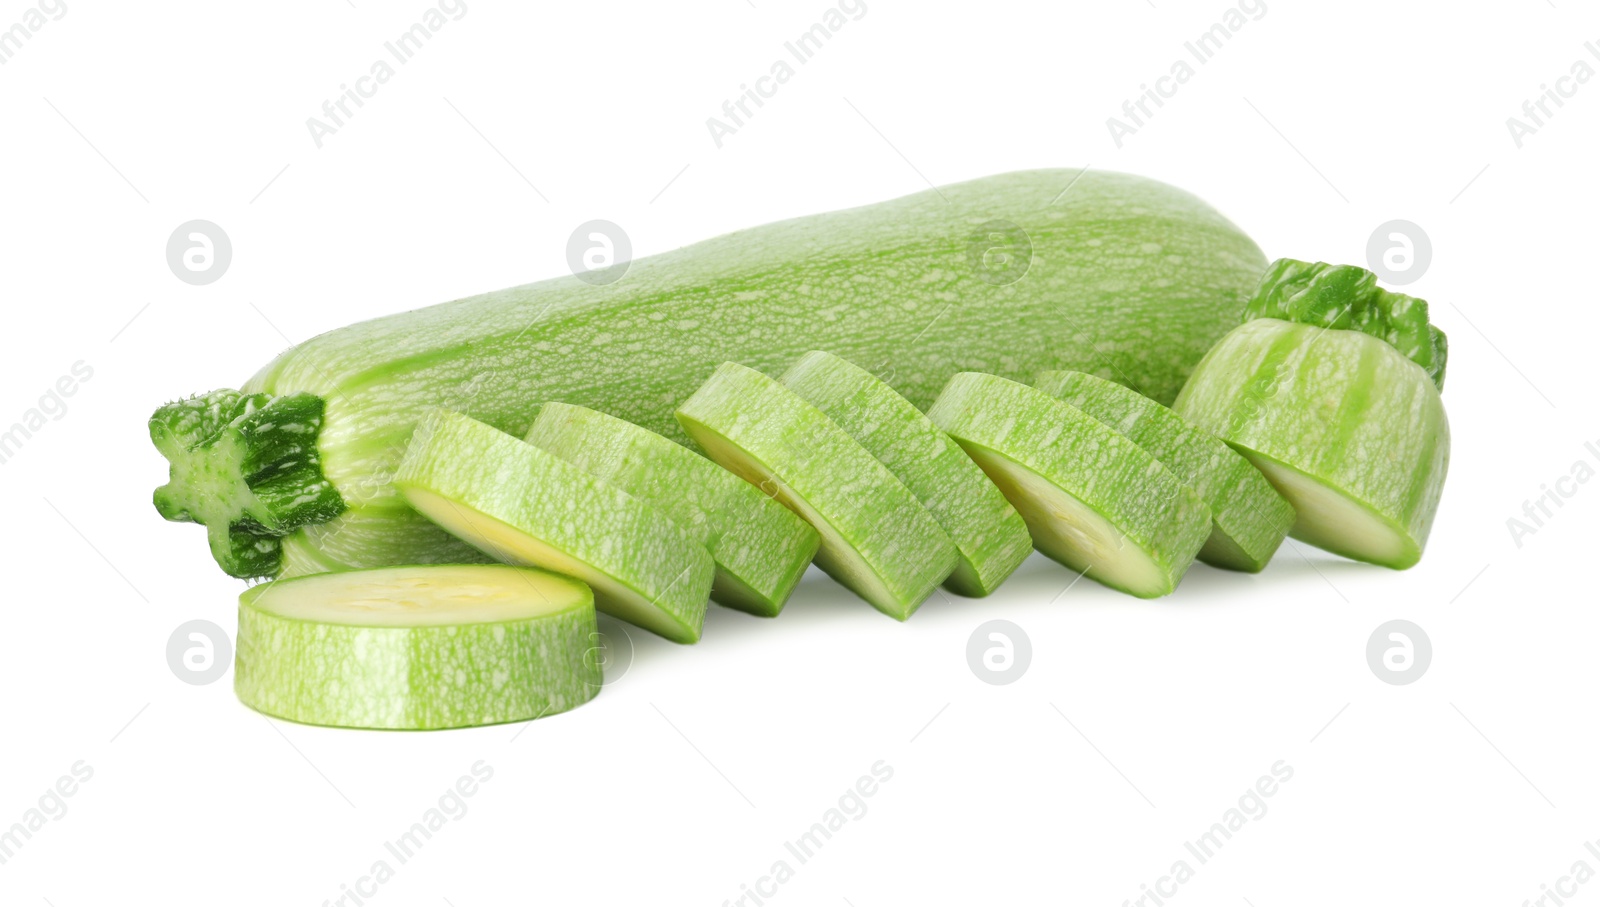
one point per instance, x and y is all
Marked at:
(417, 648)
(1347, 428)
(877, 539)
(523, 505)
(761, 548)
(1248, 517)
(1093, 500)
(990, 537)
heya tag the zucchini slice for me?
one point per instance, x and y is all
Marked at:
(1347, 428)
(523, 505)
(1092, 499)
(1248, 517)
(760, 547)
(417, 648)
(990, 537)
(877, 539)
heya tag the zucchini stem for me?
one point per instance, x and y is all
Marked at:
(245, 466)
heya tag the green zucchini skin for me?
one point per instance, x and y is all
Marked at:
(1341, 422)
(1126, 278)
(426, 677)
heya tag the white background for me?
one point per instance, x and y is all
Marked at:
(1137, 725)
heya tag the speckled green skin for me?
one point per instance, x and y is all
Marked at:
(814, 460)
(1344, 408)
(414, 678)
(1153, 509)
(543, 496)
(761, 548)
(362, 539)
(1128, 277)
(990, 537)
(1249, 519)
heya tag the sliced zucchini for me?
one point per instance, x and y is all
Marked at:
(417, 648)
(523, 505)
(877, 539)
(1248, 517)
(990, 537)
(1092, 499)
(760, 547)
(1347, 428)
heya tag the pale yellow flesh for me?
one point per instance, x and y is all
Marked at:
(1333, 521)
(508, 544)
(420, 597)
(1068, 530)
(836, 556)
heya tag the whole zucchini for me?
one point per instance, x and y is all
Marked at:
(1105, 273)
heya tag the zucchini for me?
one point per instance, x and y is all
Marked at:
(1092, 499)
(1127, 277)
(1248, 517)
(523, 505)
(1349, 430)
(877, 540)
(990, 537)
(417, 647)
(761, 549)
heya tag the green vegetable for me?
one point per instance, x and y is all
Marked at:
(1349, 298)
(877, 540)
(523, 505)
(1012, 274)
(761, 549)
(351, 541)
(1248, 518)
(417, 647)
(1348, 429)
(1092, 499)
(990, 537)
